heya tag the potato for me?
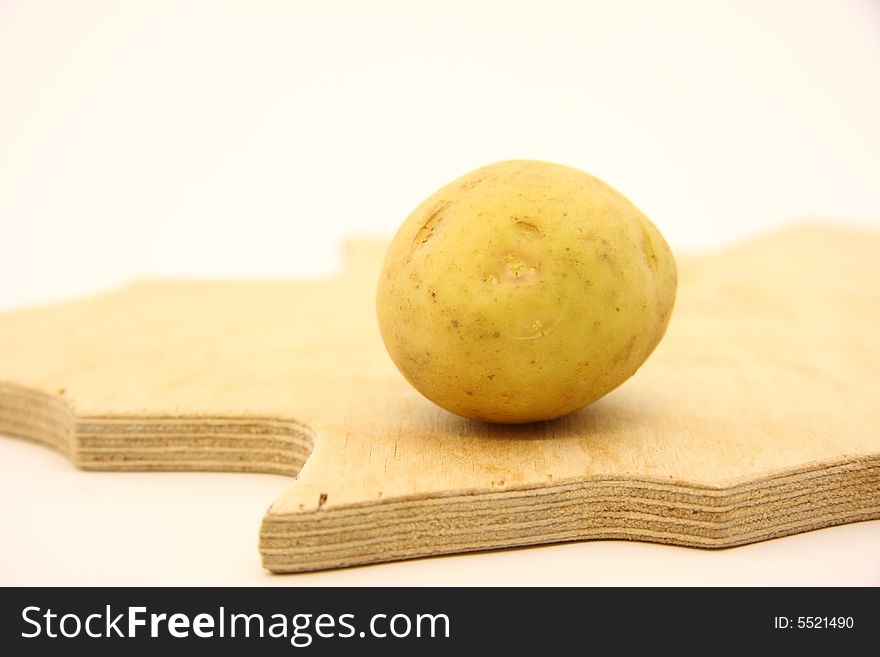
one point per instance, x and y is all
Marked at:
(524, 291)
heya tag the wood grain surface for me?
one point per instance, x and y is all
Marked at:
(756, 417)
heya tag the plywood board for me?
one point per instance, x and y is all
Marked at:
(756, 417)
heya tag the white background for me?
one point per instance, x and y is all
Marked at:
(246, 139)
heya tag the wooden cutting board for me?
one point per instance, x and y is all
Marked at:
(756, 417)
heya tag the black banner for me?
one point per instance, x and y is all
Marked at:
(434, 621)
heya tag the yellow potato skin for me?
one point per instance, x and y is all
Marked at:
(523, 291)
